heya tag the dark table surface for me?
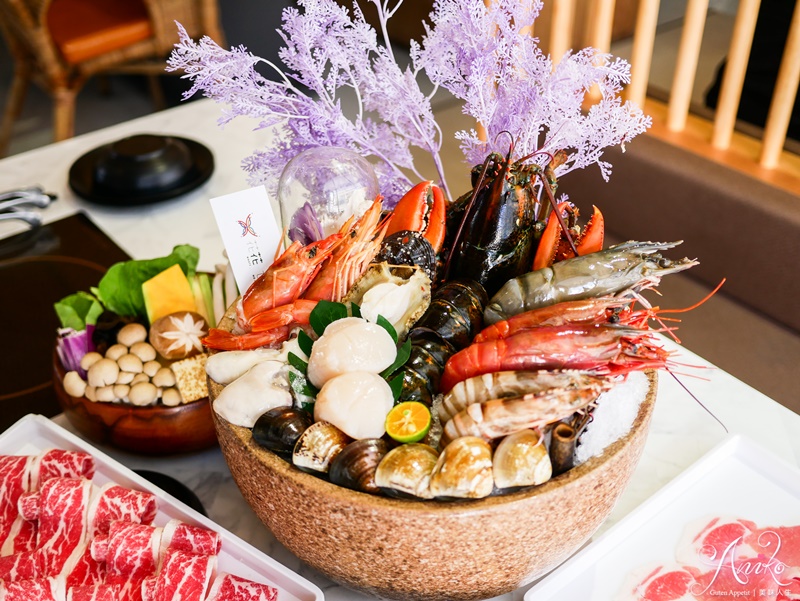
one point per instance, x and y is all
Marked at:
(38, 268)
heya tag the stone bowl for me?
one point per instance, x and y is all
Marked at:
(155, 430)
(430, 550)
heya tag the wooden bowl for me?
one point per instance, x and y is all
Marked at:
(429, 550)
(155, 430)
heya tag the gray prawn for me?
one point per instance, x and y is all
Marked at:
(624, 269)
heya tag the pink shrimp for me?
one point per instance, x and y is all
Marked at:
(601, 349)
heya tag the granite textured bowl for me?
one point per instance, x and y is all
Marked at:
(428, 550)
(155, 430)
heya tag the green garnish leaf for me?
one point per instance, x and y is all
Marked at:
(78, 310)
(396, 384)
(403, 353)
(298, 363)
(120, 290)
(387, 325)
(300, 385)
(324, 314)
(308, 407)
(304, 342)
(355, 310)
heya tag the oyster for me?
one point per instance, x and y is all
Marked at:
(317, 447)
(406, 470)
(464, 470)
(521, 459)
(400, 293)
(355, 466)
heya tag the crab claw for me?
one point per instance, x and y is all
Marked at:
(549, 242)
(422, 209)
(552, 247)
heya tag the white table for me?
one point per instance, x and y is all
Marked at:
(681, 430)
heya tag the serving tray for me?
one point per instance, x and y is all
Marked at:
(33, 433)
(737, 479)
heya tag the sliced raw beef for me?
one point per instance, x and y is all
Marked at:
(131, 557)
(85, 571)
(116, 503)
(781, 541)
(23, 537)
(706, 542)
(20, 566)
(149, 589)
(57, 463)
(190, 539)
(14, 481)
(28, 506)
(63, 509)
(184, 577)
(228, 587)
(41, 589)
(100, 592)
(660, 584)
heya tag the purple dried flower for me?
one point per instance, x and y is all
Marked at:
(305, 226)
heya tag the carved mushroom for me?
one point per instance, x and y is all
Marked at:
(177, 336)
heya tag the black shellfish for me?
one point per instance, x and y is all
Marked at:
(354, 467)
(279, 429)
(408, 248)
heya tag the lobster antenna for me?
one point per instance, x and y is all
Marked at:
(696, 400)
(510, 135)
(551, 197)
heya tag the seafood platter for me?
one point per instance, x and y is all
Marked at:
(402, 384)
(79, 526)
(128, 367)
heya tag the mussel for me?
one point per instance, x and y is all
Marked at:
(279, 429)
(354, 467)
(409, 248)
(406, 471)
(463, 470)
(521, 459)
(318, 446)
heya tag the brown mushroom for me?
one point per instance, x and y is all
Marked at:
(177, 336)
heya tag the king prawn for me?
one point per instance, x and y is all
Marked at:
(508, 320)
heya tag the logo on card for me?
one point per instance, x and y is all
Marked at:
(247, 228)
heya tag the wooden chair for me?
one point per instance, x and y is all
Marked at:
(61, 43)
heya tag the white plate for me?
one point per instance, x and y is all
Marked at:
(33, 433)
(737, 478)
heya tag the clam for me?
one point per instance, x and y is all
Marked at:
(279, 429)
(355, 466)
(317, 447)
(464, 470)
(400, 293)
(521, 459)
(406, 470)
(409, 248)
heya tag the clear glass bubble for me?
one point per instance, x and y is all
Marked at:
(320, 188)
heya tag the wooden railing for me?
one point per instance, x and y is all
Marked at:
(575, 23)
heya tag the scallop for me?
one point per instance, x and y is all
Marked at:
(399, 293)
(521, 459)
(357, 403)
(355, 466)
(406, 471)
(355, 345)
(280, 428)
(318, 446)
(463, 470)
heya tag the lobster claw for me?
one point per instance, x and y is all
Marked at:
(422, 209)
(552, 245)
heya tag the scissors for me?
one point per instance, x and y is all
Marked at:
(14, 204)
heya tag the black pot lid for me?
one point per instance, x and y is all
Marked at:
(83, 174)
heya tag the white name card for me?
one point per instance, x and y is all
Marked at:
(249, 232)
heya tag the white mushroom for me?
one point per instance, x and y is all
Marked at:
(131, 363)
(121, 391)
(103, 373)
(131, 334)
(116, 351)
(91, 393)
(74, 385)
(105, 394)
(139, 378)
(151, 368)
(171, 397)
(125, 377)
(164, 378)
(142, 394)
(90, 359)
(144, 351)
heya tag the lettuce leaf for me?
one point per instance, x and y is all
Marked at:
(78, 310)
(120, 290)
